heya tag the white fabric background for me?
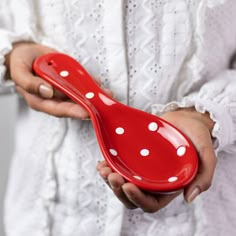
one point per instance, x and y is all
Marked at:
(7, 107)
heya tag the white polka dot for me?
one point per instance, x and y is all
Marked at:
(144, 152)
(89, 95)
(153, 126)
(120, 130)
(172, 179)
(137, 177)
(181, 151)
(106, 100)
(113, 152)
(64, 73)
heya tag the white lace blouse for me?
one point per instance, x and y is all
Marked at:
(155, 55)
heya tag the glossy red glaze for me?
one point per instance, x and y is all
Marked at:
(145, 149)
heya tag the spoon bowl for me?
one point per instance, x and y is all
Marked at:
(145, 149)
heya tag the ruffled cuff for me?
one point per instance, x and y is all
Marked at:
(216, 97)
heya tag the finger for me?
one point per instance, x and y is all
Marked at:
(204, 177)
(101, 165)
(147, 202)
(54, 107)
(116, 181)
(104, 172)
(24, 77)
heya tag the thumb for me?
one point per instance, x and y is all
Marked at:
(204, 177)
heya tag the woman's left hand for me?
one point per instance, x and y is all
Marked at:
(198, 128)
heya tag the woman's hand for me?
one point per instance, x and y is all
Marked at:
(198, 128)
(39, 94)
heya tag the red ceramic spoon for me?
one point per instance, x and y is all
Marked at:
(143, 148)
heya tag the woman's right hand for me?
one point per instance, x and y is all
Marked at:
(39, 94)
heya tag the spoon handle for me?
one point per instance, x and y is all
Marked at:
(67, 75)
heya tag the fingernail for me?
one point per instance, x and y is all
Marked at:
(196, 191)
(45, 91)
(127, 192)
(114, 185)
(129, 195)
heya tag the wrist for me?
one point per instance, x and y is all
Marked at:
(203, 117)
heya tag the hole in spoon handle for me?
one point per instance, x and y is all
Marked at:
(67, 75)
